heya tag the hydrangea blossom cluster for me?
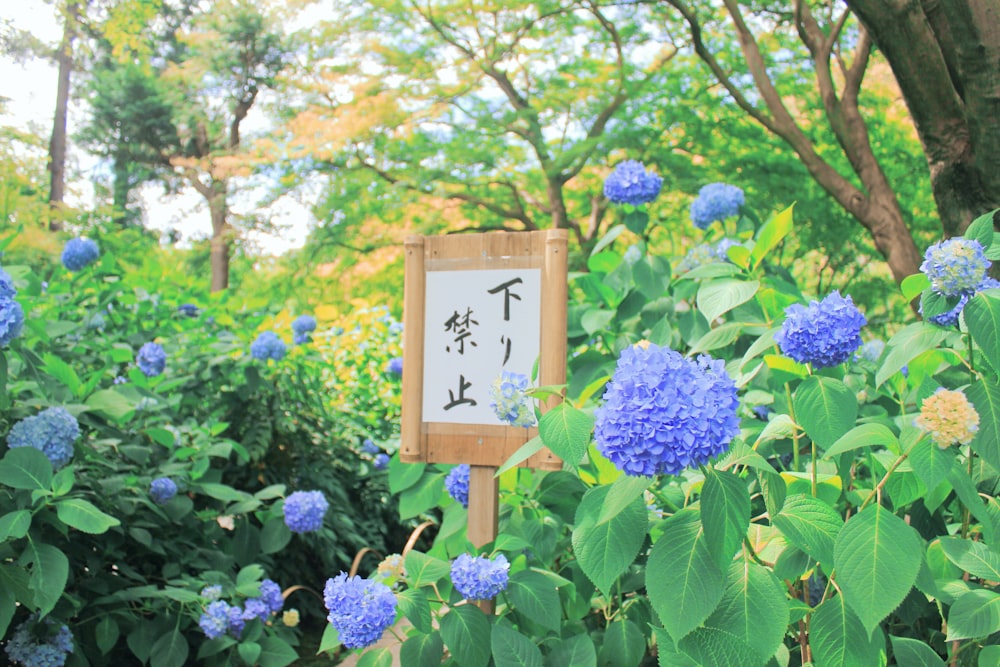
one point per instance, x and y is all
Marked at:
(723, 246)
(392, 566)
(151, 360)
(955, 266)
(11, 313)
(214, 621)
(825, 333)
(369, 447)
(716, 201)
(950, 318)
(79, 253)
(663, 413)
(162, 489)
(509, 400)
(949, 417)
(270, 594)
(290, 617)
(302, 326)
(52, 431)
(701, 254)
(381, 461)
(188, 310)
(631, 183)
(395, 366)
(457, 483)
(268, 346)
(360, 609)
(33, 649)
(213, 592)
(304, 511)
(479, 578)
(871, 350)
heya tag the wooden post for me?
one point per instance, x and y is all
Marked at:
(484, 512)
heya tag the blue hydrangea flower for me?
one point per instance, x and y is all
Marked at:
(7, 288)
(716, 201)
(256, 608)
(270, 593)
(215, 620)
(11, 320)
(211, 592)
(151, 360)
(950, 318)
(268, 346)
(663, 413)
(722, 248)
(457, 483)
(630, 183)
(369, 447)
(871, 350)
(395, 366)
(188, 310)
(381, 461)
(39, 649)
(302, 326)
(51, 431)
(79, 253)
(162, 489)
(236, 622)
(360, 609)
(509, 401)
(304, 511)
(479, 578)
(825, 333)
(701, 254)
(955, 266)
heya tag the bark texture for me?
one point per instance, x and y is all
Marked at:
(57, 141)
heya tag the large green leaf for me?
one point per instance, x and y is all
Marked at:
(839, 639)
(577, 650)
(976, 558)
(84, 516)
(111, 403)
(687, 585)
(8, 604)
(414, 605)
(982, 317)
(276, 652)
(985, 395)
(770, 235)
(375, 657)
(877, 557)
(624, 645)
(718, 297)
(26, 468)
(49, 572)
(908, 343)
(667, 654)
(623, 493)
(863, 435)
(466, 633)
(566, 431)
(930, 462)
(422, 569)
(535, 595)
(725, 514)
(605, 549)
(975, 614)
(170, 650)
(422, 650)
(826, 408)
(15, 525)
(811, 525)
(914, 653)
(512, 649)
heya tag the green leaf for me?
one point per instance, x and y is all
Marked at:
(274, 536)
(329, 641)
(106, 633)
(423, 570)
(49, 572)
(404, 475)
(525, 451)
(811, 525)
(422, 650)
(718, 297)
(989, 656)
(249, 652)
(84, 516)
(721, 336)
(779, 428)
(838, 638)
(26, 468)
(422, 496)
(667, 654)
(414, 605)
(966, 491)
(688, 584)
(624, 645)
(596, 319)
(975, 614)
(774, 489)
(982, 317)
(61, 371)
(624, 491)
(534, 595)
(375, 657)
(930, 462)
(577, 651)
(826, 408)
(636, 221)
(907, 344)
(981, 229)
(512, 649)
(8, 604)
(976, 558)
(605, 549)
(725, 514)
(170, 650)
(913, 285)
(15, 525)
(466, 633)
(863, 435)
(914, 653)
(566, 431)
(985, 396)
(608, 239)
(110, 403)
(770, 235)
(877, 557)
(223, 492)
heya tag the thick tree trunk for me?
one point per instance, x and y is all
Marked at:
(57, 142)
(945, 55)
(219, 257)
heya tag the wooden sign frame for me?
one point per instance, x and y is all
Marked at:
(480, 445)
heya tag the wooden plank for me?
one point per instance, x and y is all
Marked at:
(411, 446)
(484, 513)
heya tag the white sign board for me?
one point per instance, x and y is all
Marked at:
(477, 323)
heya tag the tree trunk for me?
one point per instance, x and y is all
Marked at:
(57, 142)
(219, 257)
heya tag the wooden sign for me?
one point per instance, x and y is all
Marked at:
(476, 305)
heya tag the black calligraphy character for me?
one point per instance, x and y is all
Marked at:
(462, 386)
(507, 295)
(461, 326)
(506, 355)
